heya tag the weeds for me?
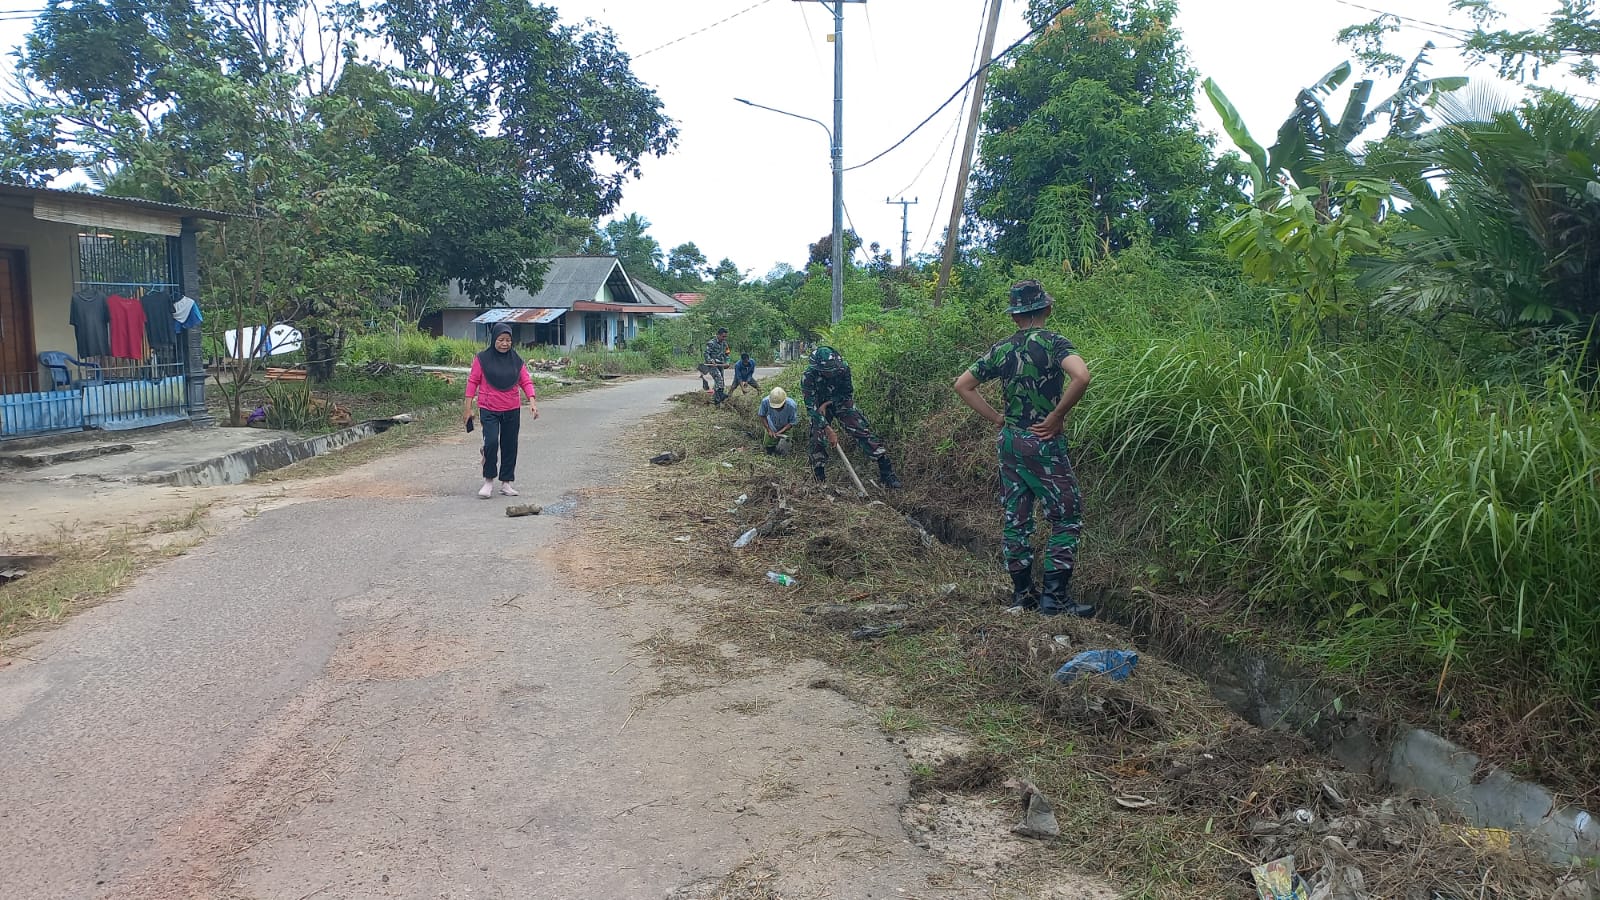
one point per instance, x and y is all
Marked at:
(1220, 786)
(1377, 503)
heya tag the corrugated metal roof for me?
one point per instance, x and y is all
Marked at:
(23, 191)
(568, 280)
(519, 316)
(648, 294)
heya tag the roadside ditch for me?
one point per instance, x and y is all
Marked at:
(1211, 760)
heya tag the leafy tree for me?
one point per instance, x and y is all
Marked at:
(1311, 141)
(726, 272)
(503, 129)
(1090, 136)
(575, 119)
(1570, 37)
(627, 239)
(684, 265)
(822, 251)
(811, 309)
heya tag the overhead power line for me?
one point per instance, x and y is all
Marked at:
(1454, 31)
(723, 21)
(1050, 19)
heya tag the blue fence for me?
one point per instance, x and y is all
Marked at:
(111, 399)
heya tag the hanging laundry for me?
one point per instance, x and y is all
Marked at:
(91, 320)
(157, 313)
(185, 313)
(283, 339)
(127, 327)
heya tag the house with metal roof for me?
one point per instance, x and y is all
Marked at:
(584, 301)
(89, 287)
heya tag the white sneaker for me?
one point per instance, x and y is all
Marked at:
(486, 491)
(507, 489)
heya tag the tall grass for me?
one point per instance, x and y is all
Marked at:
(1399, 510)
(410, 347)
(1375, 492)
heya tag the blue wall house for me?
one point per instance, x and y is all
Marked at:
(56, 244)
(585, 301)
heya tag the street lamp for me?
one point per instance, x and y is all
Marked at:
(837, 262)
(836, 142)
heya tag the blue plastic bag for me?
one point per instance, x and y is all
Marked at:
(1116, 663)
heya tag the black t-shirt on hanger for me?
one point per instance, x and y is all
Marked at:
(91, 320)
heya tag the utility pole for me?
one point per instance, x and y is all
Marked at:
(837, 37)
(905, 226)
(960, 200)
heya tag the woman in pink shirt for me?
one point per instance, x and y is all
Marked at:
(497, 375)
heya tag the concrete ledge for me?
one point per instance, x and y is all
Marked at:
(38, 459)
(1489, 797)
(1271, 692)
(239, 466)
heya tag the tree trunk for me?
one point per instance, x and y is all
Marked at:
(321, 351)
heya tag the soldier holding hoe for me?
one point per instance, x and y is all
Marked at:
(829, 393)
(714, 361)
(1042, 378)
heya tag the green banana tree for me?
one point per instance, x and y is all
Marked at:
(1311, 138)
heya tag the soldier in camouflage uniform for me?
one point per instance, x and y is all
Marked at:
(829, 395)
(714, 362)
(1042, 378)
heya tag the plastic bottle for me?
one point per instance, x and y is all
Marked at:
(779, 578)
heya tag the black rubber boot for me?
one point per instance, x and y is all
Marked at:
(1057, 599)
(886, 475)
(821, 472)
(1023, 593)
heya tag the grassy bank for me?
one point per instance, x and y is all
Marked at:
(1378, 506)
(1155, 784)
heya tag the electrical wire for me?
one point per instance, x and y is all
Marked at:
(1050, 19)
(976, 48)
(723, 21)
(950, 161)
(1445, 30)
(811, 38)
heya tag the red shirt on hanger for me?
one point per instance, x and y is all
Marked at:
(127, 327)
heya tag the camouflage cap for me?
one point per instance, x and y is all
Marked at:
(1027, 297)
(824, 356)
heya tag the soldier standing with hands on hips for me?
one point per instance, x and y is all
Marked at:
(1042, 377)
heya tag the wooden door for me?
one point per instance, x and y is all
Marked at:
(19, 367)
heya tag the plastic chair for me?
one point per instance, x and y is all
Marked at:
(60, 376)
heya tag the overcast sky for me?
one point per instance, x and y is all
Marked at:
(755, 187)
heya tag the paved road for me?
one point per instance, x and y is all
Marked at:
(382, 687)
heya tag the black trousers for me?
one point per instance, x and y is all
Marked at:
(500, 430)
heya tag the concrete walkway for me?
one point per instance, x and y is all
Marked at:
(44, 494)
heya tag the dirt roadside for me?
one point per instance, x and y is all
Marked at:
(1156, 784)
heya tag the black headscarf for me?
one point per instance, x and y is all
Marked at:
(502, 370)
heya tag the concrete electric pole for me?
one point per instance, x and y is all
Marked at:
(960, 201)
(905, 226)
(838, 151)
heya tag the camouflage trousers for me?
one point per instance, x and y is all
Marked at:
(716, 380)
(1033, 471)
(852, 423)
